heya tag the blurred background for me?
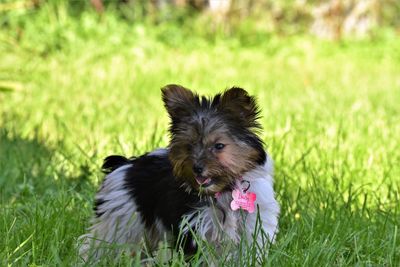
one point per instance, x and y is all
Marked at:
(329, 19)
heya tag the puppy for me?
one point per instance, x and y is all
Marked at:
(213, 182)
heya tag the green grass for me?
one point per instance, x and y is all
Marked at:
(74, 90)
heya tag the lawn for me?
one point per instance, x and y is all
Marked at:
(75, 90)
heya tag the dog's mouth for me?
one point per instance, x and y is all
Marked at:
(204, 181)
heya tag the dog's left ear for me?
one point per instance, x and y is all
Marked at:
(238, 102)
(178, 100)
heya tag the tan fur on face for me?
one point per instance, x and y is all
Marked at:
(223, 167)
(238, 158)
(199, 123)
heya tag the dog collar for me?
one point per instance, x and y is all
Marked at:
(241, 197)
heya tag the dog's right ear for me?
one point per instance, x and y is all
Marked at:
(178, 100)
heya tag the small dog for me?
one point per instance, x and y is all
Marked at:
(214, 170)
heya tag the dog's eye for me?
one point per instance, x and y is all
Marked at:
(219, 146)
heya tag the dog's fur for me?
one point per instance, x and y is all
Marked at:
(172, 191)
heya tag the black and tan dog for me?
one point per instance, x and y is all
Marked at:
(214, 169)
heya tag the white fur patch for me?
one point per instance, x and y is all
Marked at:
(119, 222)
(261, 183)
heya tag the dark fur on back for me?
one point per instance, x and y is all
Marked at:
(156, 191)
(113, 162)
(157, 194)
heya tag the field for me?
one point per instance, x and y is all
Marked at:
(75, 90)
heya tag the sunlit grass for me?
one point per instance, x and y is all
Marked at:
(75, 91)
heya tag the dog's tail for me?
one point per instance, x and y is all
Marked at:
(113, 162)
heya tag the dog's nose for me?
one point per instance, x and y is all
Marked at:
(197, 169)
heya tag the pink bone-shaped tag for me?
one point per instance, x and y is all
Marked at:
(243, 201)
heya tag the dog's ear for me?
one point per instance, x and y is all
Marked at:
(237, 102)
(178, 100)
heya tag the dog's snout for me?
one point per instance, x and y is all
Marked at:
(198, 169)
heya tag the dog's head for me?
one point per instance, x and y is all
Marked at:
(214, 140)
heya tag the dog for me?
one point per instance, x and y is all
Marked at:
(214, 171)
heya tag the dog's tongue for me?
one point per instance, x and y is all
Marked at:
(202, 180)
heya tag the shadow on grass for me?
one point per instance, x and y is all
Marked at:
(22, 161)
(43, 208)
(28, 166)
